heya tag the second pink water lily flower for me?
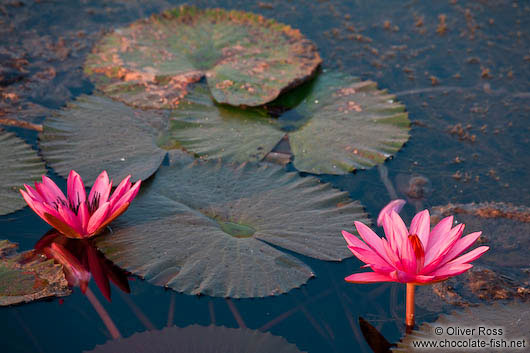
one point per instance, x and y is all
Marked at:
(417, 255)
(79, 215)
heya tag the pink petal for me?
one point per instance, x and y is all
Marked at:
(470, 256)
(352, 240)
(449, 270)
(32, 203)
(438, 231)
(444, 244)
(33, 193)
(368, 256)
(371, 239)
(83, 217)
(76, 188)
(70, 218)
(405, 277)
(389, 233)
(49, 191)
(369, 277)
(394, 205)
(392, 256)
(127, 198)
(424, 279)
(97, 218)
(421, 226)
(101, 187)
(399, 231)
(38, 207)
(121, 189)
(408, 258)
(460, 246)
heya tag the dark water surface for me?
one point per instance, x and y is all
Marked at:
(465, 86)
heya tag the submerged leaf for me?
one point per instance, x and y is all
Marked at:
(199, 339)
(19, 165)
(349, 124)
(207, 228)
(511, 319)
(95, 133)
(247, 60)
(28, 276)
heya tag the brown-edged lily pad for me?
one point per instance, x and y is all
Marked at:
(19, 165)
(220, 229)
(247, 59)
(96, 133)
(199, 339)
(511, 319)
(28, 276)
(504, 272)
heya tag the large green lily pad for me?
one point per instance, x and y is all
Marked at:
(511, 318)
(28, 276)
(96, 133)
(19, 165)
(350, 125)
(207, 228)
(246, 59)
(199, 339)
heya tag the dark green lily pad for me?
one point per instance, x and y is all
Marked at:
(205, 228)
(511, 318)
(502, 273)
(247, 60)
(19, 165)
(28, 276)
(350, 125)
(214, 131)
(96, 133)
(199, 339)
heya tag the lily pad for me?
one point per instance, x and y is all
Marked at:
(28, 276)
(199, 339)
(96, 133)
(19, 165)
(350, 125)
(247, 59)
(511, 318)
(214, 131)
(221, 230)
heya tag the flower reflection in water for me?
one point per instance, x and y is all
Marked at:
(81, 261)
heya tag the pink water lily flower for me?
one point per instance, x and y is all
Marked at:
(417, 255)
(79, 216)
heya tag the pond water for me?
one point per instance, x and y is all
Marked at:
(460, 67)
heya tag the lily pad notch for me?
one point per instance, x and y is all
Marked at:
(247, 60)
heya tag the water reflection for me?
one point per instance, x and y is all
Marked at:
(81, 261)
